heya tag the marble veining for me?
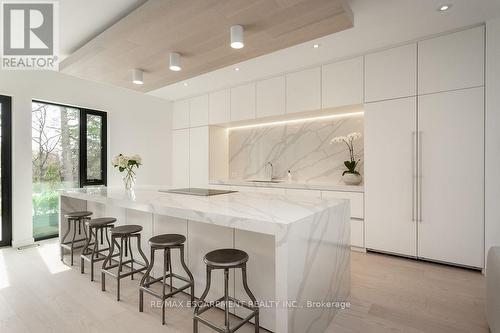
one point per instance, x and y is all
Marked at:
(304, 148)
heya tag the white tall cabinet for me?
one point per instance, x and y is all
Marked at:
(198, 156)
(451, 185)
(180, 157)
(424, 168)
(390, 170)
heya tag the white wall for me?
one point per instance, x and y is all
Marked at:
(492, 144)
(137, 123)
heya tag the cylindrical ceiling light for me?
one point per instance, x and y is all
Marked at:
(137, 76)
(237, 37)
(175, 62)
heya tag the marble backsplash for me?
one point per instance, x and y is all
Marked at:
(303, 148)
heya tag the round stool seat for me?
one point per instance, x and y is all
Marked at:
(226, 258)
(78, 215)
(102, 221)
(125, 230)
(166, 240)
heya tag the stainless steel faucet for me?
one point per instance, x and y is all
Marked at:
(270, 175)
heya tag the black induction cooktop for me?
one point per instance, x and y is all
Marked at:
(204, 192)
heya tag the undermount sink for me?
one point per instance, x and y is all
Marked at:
(274, 181)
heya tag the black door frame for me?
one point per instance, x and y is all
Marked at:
(6, 102)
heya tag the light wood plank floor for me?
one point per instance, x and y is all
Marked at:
(389, 294)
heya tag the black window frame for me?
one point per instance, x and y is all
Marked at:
(6, 102)
(83, 179)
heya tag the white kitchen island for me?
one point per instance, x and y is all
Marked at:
(299, 267)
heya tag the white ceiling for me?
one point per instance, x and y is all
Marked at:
(82, 20)
(377, 23)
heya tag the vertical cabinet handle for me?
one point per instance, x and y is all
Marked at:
(419, 188)
(413, 175)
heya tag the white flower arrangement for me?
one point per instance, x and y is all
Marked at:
(127, 163)
(349, 141)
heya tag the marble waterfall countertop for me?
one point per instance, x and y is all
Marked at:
(292, 185)
(259, 212)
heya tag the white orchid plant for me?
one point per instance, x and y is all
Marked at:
(349, 141)
(127, 163)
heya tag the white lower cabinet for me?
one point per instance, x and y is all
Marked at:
(356, 201)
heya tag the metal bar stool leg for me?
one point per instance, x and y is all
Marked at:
(140, 249)
(84, 251)
(105, 262)
(169, 259)
(145, 280)
(186, 269)
(73, 241)
(95, 252)
(202, 299)
(131, 257)
(64, 239)
(252, 297)
(226, 297)
(165, 270)
(120, 267)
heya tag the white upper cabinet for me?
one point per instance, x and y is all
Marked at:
(180, 118)
(180, 157)
(219, 107)
(198, 111)
(271, 97)
(198, 156)
(450, 62)
(391, 73)
(243, 102)
(303, 90)
(342, 83)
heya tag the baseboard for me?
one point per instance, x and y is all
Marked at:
(24, 242)
(358, 249)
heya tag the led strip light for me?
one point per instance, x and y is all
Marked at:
(301, 120)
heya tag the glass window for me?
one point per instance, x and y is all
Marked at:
(94, 131)
(59, 153)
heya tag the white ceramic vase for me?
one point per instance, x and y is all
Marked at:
(352, 179)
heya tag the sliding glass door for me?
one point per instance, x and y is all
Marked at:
(5, 171)
(68, 151)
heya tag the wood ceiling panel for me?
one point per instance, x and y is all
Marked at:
(199, 31)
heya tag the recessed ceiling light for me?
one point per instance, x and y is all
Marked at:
(236, 68)
(237, 37)
(444, 8)
(316, 46)
(185, 84)
(137, 76)
(175, 62)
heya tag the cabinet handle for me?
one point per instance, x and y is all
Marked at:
(419, 189)
(413, 175)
